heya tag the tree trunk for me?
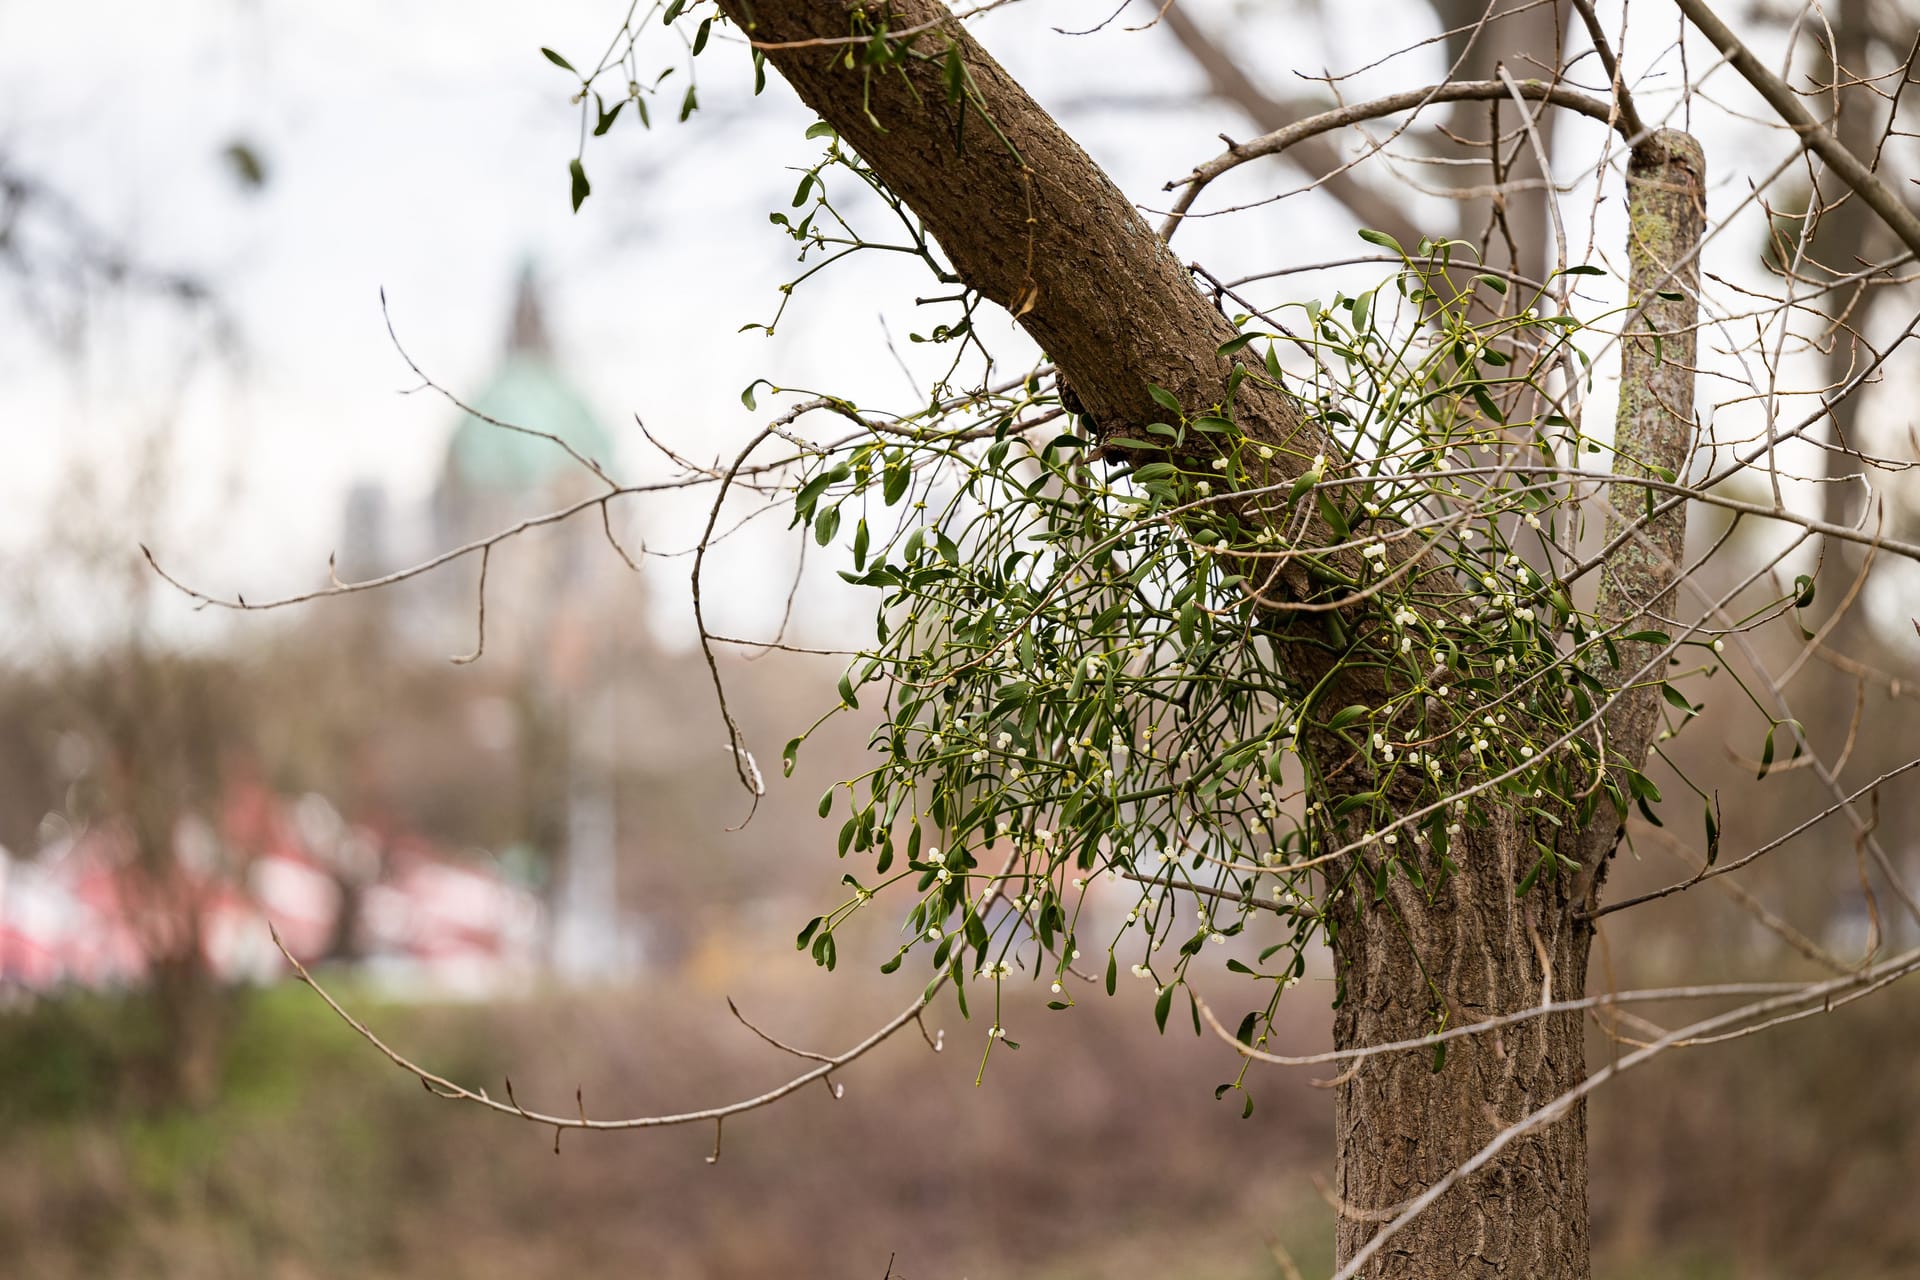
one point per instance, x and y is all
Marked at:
(1410, 964)
(1413, 963)
(1027, 218)
(1847, 238)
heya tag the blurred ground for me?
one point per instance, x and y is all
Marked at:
(1096, 1150)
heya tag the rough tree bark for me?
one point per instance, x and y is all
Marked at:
(1030, 221)
(1473, 949)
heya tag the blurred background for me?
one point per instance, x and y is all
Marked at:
(524, 865)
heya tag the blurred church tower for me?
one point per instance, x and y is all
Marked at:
(560, 630)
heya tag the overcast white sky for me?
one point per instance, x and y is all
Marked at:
(422, 147)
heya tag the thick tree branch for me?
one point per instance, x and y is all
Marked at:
(1023, 213)
(1032, 223)
(1814, 136)
(1622, 96)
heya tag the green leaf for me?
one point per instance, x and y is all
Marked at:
(894, 487)
(1348, 804)
(1766, 754)
(826, 802)
(557, 60)
(1586, 269)
(1496, 283)
(1335, 518)
(1347, 715)
(827, 525)
(803, 502)
(700, 37)
(821, 129)
(581, 189)
(1164, 398)
(1160, 1008)
(788, 756)
(689, 104)
(806, 934)
(956, 74)
(607, 117)
(1803, 591)
(1713, 829)
(1234, 344)
(1382, 239)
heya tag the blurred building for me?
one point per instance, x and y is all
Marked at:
(419, 919)
(513, 765)
(561, 633)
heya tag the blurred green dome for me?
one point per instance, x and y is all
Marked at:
(527, 390)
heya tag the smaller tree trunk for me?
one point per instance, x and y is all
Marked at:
(1413, 962)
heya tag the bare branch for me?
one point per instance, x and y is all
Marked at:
(1393, 104)
(1708, 872)
(442, 1087)
(1230, 81)
(1814, 136)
